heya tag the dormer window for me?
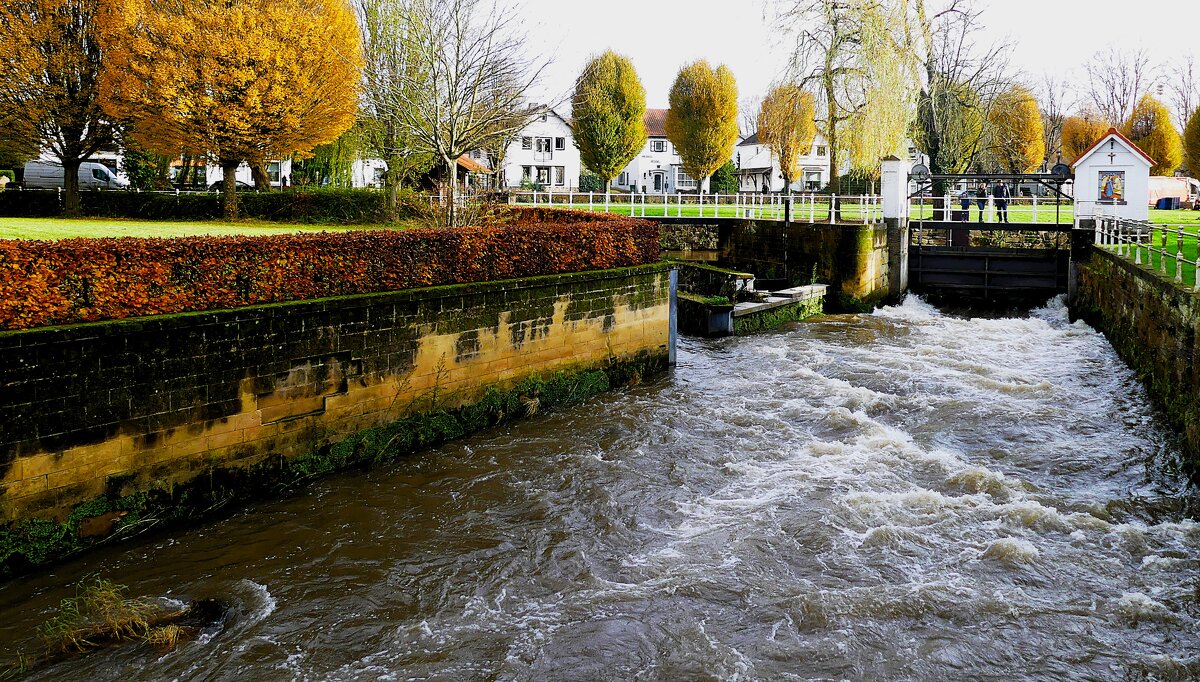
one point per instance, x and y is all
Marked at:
(658, 145)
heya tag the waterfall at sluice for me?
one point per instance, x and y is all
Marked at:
(902, 495)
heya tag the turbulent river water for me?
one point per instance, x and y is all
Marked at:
(903, 495)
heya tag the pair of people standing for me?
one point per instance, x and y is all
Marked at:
(1001, 194)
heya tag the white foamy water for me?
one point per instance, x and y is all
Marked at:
(903, 495)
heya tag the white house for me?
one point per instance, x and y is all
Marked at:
(543, 152)
(656, 169)
(1112, 177)
(758, 169)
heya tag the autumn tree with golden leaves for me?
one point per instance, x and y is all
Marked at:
(1151, 129)
(1018, 139)
(786, 126)
(702, 122)
(1080, 132)
(1191, 143)
(608, 112)
(232, 80)
(49, 74)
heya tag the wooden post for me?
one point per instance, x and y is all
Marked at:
(1179, 255)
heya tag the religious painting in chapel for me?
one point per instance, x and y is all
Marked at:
(1112, 187)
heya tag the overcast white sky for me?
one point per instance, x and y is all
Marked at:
(1049, 36)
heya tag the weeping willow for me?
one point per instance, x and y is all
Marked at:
(330, 164)
(888, 96)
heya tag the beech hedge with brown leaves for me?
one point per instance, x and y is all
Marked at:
(83, 280)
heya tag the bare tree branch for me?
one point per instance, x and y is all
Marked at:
(464, 79)
(1117, 79)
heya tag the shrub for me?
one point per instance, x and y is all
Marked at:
(531, 185)
(11, 175)
(324, 205)
(79, 280)
(590, 182)
(725, 180)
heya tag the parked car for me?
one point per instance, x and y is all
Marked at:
(92, 175)
(241, 186)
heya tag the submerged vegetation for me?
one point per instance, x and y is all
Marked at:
(100, 615)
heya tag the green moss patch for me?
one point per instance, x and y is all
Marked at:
(776, 317)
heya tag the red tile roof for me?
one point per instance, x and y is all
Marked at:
(471, 165)
(656, 122)
(1126, 140)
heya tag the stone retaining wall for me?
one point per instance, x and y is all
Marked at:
(111, 411)
(1155, 326)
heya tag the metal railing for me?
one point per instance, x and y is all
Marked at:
(1163, 248)
(1033, 209)
(812, 208)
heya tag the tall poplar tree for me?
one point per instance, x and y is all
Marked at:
(608, 112)
(787, 128)
(233, 80)
(1150, 127)
(702, 122)
(49, 73)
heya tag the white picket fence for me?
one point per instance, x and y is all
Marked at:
(813, 208)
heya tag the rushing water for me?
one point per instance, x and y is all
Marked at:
(904, 495)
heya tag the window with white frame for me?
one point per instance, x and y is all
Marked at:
(560, 175)
(683, 180)
(821, 151)
(526, 143)
(543, 175)
(658, 145)
(623, 179)
(560, 143)
(526, 172)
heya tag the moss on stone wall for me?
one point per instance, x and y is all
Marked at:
(34, 543)
(776, 317)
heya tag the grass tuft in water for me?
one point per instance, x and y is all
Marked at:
(98, 615)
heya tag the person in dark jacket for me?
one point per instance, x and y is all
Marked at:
(981, 195)
(1001, 195)
(964, 198)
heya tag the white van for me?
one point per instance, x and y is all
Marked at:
(92, 175)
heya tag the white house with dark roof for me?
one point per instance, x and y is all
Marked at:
(657, 169)
(543, 152)
(758, 169)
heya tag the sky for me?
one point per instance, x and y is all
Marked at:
(1049, 36)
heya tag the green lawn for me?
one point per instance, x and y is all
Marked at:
(1172, 241)
(63, 228)
(818, 209)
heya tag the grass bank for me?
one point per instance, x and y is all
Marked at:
(66, 228)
